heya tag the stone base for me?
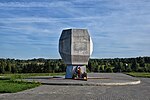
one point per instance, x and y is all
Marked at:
(74, 70)
(69, 72)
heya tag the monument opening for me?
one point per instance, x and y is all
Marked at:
(75, 48)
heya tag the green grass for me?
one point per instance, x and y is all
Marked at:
(26, 75)
(9, 83)
(138, 74)
(8, 86)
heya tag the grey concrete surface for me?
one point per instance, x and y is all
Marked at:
(94, 79)
(56, 92)
(74, 46)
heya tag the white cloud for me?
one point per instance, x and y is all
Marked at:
(45, 20)
(118, 28)
(33, 4)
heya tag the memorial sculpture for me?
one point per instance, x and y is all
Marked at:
(75, 48)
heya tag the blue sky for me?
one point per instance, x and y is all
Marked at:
(31, 28)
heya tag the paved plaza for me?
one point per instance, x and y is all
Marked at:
(94, 79)
(66, 92)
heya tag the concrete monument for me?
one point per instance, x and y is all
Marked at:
(75, 48)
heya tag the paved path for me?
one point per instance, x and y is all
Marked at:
(54, 92)
(94, 79)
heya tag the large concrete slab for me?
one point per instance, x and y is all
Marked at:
(74, 46)
(94, 79)
(57, 92)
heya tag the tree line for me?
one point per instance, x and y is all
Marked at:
(41, 65)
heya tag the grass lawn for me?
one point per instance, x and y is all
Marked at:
(8, 86)
(26, 75)
(8, 83)
(138, 74)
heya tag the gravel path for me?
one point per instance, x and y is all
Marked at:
(54, 92)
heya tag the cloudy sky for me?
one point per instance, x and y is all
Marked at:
(31, 28)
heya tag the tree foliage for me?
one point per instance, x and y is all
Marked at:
(41, 65)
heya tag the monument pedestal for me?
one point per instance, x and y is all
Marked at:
(75, 48)
(75, 72)
(69, 72)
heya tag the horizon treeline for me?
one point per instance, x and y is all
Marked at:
(41, 65)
